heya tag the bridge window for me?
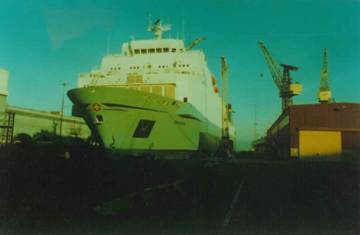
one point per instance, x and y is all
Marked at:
(173, 50)
(165, 49)
(137, 51)
(158, 50)
(143, 51)
(151, 50)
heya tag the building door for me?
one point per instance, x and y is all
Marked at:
(319, 143)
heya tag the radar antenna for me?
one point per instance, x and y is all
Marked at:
(157, 28)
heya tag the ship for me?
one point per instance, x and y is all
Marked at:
(155, 95)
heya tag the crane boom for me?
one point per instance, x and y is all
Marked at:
(224, 98)
(274, 67)
(324, 94)
(226, 144)
(324, 76)
(195, 42)
(282, 80)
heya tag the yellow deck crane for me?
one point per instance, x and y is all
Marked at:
(195, 42)
(324, 94)
(287, 89)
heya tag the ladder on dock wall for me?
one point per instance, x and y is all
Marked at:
(8, 128)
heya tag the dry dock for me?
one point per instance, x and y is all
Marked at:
(44, 191)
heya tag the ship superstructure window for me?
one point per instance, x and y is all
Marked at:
(173, 50)
(143, 51)
(151, 50)
(165, 49)
(158, 50)
(137, 51)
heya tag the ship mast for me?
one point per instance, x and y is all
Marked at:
(157, 28)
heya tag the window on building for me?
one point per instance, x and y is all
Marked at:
(137, 51)
(143, 51)
(151, 50)
(158, 50)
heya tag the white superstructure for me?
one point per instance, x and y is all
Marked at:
(154, 95)
(164, 67)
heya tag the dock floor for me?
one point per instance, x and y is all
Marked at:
(46, 192)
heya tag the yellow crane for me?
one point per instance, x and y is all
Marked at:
(226, 147)
(282, 79)
(195, 42)
(324, 94)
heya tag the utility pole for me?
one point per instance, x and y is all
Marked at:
(62, 107)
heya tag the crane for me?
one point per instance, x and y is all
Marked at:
(226, 146)
(282, 78)
(224, 98)
(195, 42)
(324, 94)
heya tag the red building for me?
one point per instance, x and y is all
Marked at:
(316, 130)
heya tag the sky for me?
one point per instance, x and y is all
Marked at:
(44, 43)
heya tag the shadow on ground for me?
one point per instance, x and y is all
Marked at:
(45, 190)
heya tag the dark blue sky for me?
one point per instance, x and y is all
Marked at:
(45, 43)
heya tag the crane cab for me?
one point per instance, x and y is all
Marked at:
(295, 89)
(324, 96)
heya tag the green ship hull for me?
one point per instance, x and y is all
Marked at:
(136, 121)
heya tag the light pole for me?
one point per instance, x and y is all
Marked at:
(62, 107)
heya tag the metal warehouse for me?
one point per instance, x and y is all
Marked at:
(316, 130)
